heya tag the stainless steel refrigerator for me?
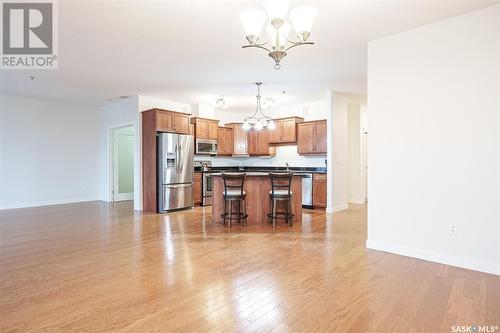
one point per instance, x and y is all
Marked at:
(175, 171)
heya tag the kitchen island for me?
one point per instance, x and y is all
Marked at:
(257, 186)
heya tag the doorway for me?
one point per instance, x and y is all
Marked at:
(122, 163)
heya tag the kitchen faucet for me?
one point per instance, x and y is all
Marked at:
(287, 166)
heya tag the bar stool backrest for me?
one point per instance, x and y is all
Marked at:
(280, 181)
(233, 182)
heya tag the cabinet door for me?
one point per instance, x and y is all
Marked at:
(319, 190)
(229, 141)
(212, 130)
(225, 141)
(240, 140)
(197, 188)
(288, 128)
(305, 138)
(201, 129)
(263, 139)
(164, 121)
(191, 129)
(276, 134)
(253, 142)
(221, 143)
(181, 123)
(321, 137)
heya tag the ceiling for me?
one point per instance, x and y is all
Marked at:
(190, 51)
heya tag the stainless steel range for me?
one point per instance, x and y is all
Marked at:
(207, 181)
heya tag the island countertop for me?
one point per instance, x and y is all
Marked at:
(257, 186)
(249, 173)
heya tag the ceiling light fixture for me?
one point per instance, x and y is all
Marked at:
(258, 120)
(220, 103)
(253, 20)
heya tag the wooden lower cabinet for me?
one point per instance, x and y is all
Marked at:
(319, 190)
(197, 191)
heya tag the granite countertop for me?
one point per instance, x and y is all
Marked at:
(247, 173)
(265, 169)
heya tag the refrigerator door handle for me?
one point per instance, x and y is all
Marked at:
(180, 156)
(176, 158)
(178, 186)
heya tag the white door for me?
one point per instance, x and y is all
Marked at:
(123, 163)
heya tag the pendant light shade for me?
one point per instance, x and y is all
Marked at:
(253, 21)
(276, 9)
(302, 18)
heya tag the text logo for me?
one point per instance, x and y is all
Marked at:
(29, 35)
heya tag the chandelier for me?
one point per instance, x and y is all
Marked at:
(258, 120)
(253, 20)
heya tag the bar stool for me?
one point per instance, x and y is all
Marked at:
(233, 191)
(280, 191)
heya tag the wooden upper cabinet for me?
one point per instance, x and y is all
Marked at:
(169, 121)
(319, 190)
(311, 138)
(321, 137)
(213, 130)
(225, 141)
(305, 138)
(258, 143)
(276, 134)
(164, 121)
(191, 129)
(289, 132)
(285, 132)
(181, 123)
(205, 128)
(240, 139)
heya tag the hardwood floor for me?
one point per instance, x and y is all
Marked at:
(103, 267)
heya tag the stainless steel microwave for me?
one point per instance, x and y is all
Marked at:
(206, 147)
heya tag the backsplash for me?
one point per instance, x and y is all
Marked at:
(284, 154)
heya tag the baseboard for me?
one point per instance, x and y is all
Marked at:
(47, 203)
(124, 196)
(337, 208)
(476, 265)
(357, 201)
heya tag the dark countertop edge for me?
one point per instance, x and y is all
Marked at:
(249, 174)
(264, 169)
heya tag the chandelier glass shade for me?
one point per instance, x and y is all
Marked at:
(258, 120)
(278, 29)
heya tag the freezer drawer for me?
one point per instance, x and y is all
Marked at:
(176, 196)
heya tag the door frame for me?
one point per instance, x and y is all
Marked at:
(110, 157)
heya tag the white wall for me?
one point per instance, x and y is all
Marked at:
(338, 172)
(434, 124)
(127, 112)
(116, 114)
(356, 151)
(49, 152)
